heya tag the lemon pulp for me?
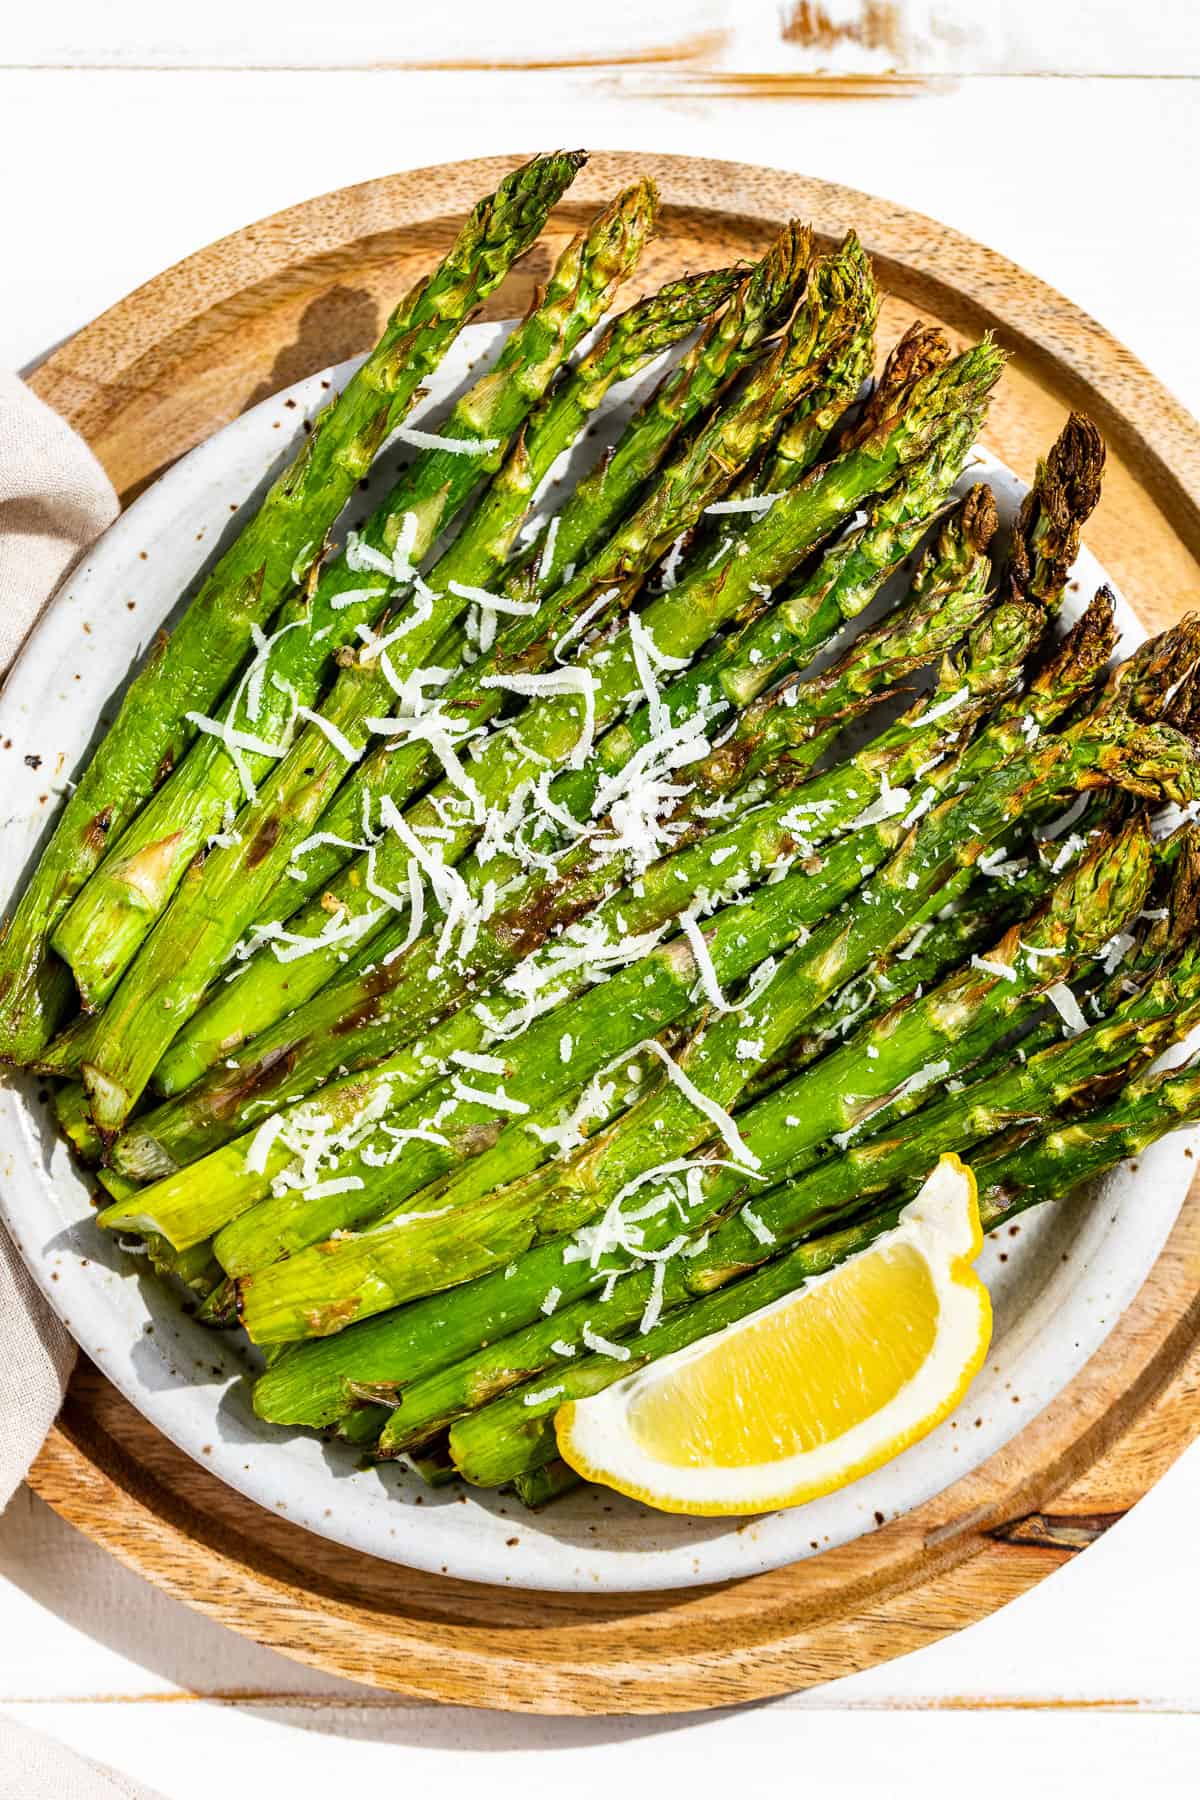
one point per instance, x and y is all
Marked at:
(800, 1374)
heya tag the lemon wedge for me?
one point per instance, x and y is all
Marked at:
(808, 1393)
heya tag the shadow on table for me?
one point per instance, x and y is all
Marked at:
(64, 1572)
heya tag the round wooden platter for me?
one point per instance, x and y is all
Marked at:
(172, 364)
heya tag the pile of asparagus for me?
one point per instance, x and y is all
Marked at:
(482, 962)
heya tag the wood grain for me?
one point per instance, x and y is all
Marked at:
(173, 363)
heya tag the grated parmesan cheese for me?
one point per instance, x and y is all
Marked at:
(1067, 1007)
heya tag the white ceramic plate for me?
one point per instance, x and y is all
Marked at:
(1059, 1285)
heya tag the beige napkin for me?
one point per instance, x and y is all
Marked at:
(54, 500)
(33, 1767)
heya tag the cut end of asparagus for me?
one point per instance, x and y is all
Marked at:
(109, 1100)
(140, 1157)
(220, 1308)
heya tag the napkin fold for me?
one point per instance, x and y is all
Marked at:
(33, 1767)
(54, 500)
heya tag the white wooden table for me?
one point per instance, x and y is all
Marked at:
(1064, 136)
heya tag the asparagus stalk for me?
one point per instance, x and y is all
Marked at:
(215, 903)
(919, 352)
(950, 588)
(936, 949)
(729, 346)
(248, 1008)
(477, 554)
(392, 1351)
(1057, 506)
(558, 730)
(109, 920)
(541, 1487)
(803, 439)
(743, 666)
(1029, 1165)
(830, 317)
(367, 1014)
(74, 1119)
(362, 1426)
(884, 1071)
(512, 1434)
(634, 1003)
(352, 1278)
(188, 671)
(476, 558)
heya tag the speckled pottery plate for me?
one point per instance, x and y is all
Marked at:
(1059, 1280)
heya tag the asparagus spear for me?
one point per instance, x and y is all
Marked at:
(393, 1350)
(362, 1426)
(677, 623)
(214, 903)
(365, 1015)
(919, 352)
(731, 344)
(636, 1001)
(541, 1487)
(189, 670)
(108, 921)
(802, 440)
(476, 555)
(511, 1435)
(744, 665)
(352, 1278)
(950, 585)
(884, 1071)
(934, 951)
(1029, 1165)
(247, 1009)
(830, 317)
(74, 1119)
(1057, 506)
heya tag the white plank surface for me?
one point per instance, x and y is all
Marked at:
(997, 160)
(119, 171)
(782, 37)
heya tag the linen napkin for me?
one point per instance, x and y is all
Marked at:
(33, 1767)
(54, 500)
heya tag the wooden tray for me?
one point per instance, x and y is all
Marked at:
(172, 364)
